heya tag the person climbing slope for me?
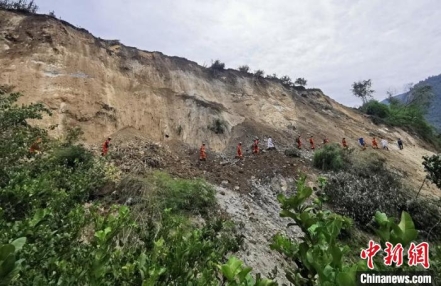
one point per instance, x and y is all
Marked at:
(271, 144)
(344, 143)
(325, 141)
(374, 143)
(400, 144)
(311, 142)
(256, 146)
(384, 144)
(35, 147)
(202, 153)
(239, 154)
(106, 146)
(299, 142)
(362, 143)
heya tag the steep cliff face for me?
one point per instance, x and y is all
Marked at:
(105, 87)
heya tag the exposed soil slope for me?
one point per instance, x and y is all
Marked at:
(105, 87)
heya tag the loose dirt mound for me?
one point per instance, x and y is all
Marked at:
(139, 156)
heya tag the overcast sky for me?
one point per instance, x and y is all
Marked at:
(331, 43)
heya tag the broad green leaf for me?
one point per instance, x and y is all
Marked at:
(6, 250)
(286, 213)
(242, 274)
(18, 243)
(38, 217)
(227, 272)
(7, 265)
(337, 254)
(407, 227)
(346, 278)
(383, 232)
(381, 218)
(328, 272)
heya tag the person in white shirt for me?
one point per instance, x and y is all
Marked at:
(384, 144)
(270, 144)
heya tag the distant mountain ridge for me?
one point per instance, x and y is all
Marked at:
(433, 115)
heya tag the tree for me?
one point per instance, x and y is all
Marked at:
(259, 73)
(301, 81)
(244, 68)
(432, 166)
(217, 65)
(363, 90)
(286, 81)
(273, 76)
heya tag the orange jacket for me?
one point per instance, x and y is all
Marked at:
(239, 150)
(202, 153)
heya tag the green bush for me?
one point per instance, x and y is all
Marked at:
(367, 186)
(188, 196)
(72, 156)
(330, 158)
(376, 109)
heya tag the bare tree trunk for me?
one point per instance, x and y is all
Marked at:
(420, 188)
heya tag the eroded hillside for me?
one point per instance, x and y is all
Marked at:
(104, 87)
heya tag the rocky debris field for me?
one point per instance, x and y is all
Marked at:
(257, 215)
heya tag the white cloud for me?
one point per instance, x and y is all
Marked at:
(332, 43)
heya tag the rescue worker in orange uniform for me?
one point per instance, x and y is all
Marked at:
(311, 142)
(35, 147)
(299, 142)
(374, 143)
(343, 142)
(202, 153)
(106, 146)
(239, 154)
(256, 146)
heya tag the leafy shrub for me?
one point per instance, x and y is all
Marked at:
(359, 197)
(244, 68)
(217, 65)
(218, 126)
(188, 196)
(320, 256)
(367, 186)
(329, 158)
(72, 156)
